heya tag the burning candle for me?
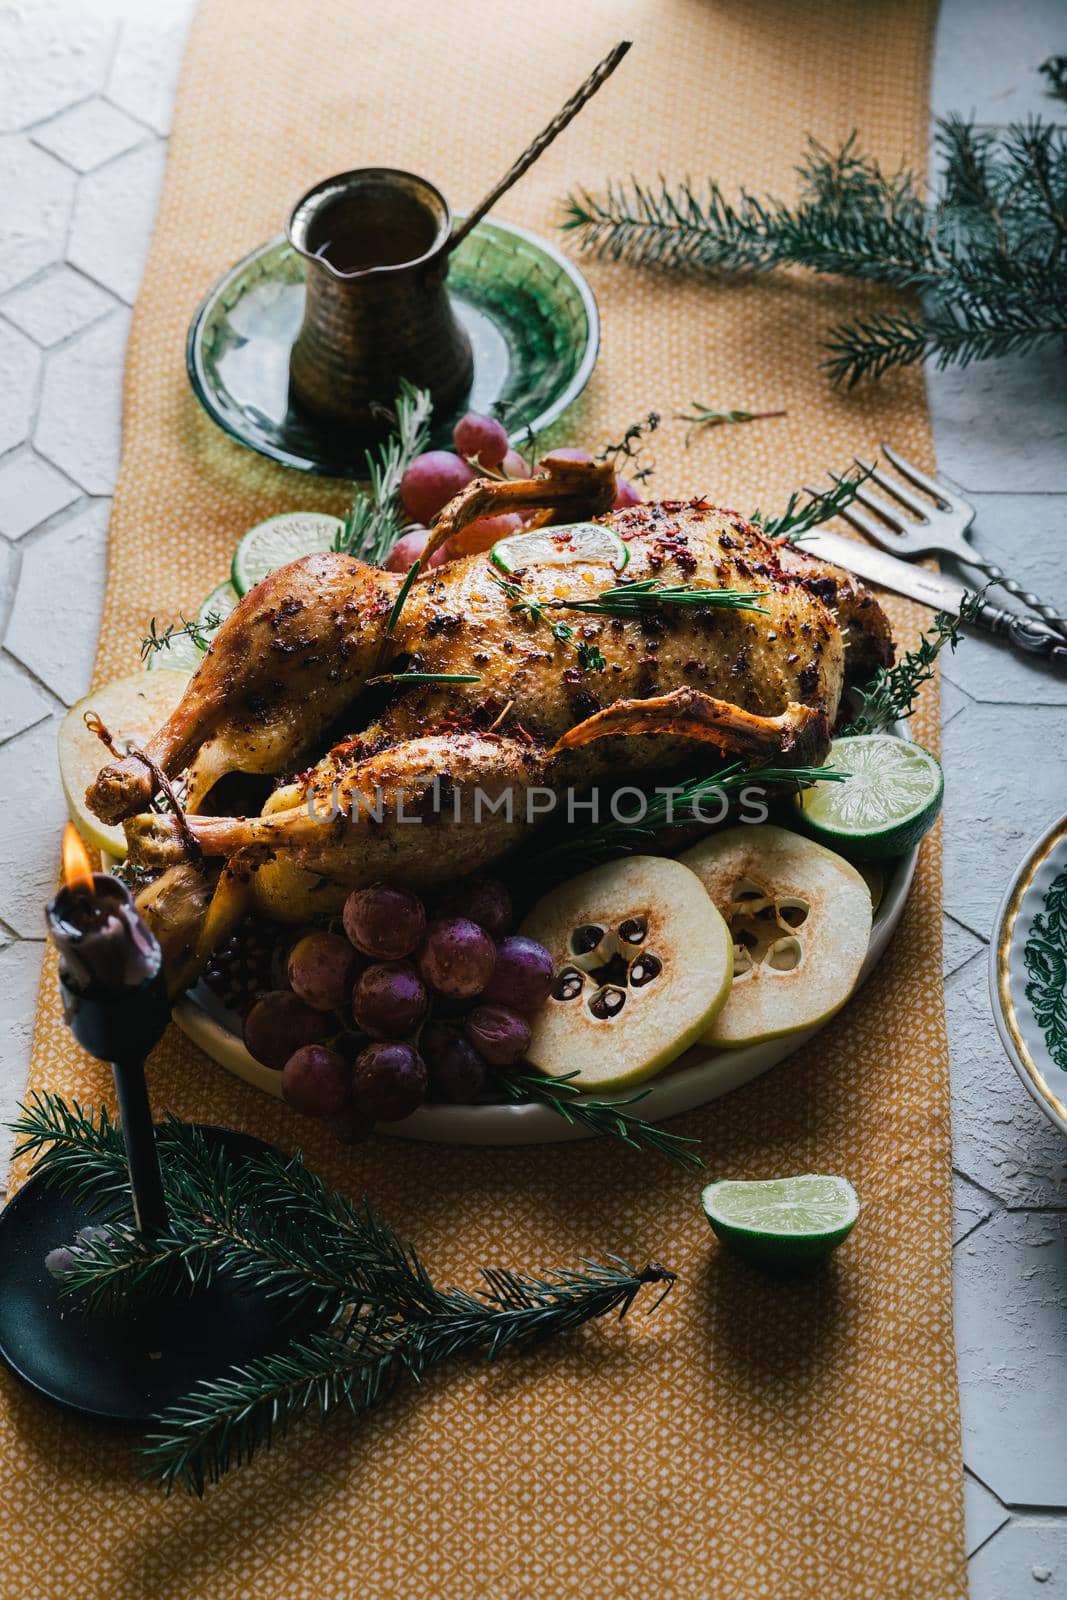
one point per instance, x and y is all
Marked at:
(115, 1003)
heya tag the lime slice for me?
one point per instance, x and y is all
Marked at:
(782, 1222)
(183, 654)
(890, 800)
(279, 540)
(559, 547)
(132, 710)
(219, 603)
(179, 654)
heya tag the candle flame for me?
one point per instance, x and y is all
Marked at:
(77, 868)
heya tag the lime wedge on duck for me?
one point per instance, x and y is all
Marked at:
(279, 540)
(782, 1222)
(889, 802)
(561, 547)
(132, 710)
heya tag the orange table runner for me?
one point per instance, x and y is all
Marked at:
(795, 1441)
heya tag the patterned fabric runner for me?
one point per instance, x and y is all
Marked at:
(796, 1441)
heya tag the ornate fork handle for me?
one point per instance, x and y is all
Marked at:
(998, 576)
(1030, 637)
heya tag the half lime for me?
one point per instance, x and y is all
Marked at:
(891, 798)
(279, 540)
(782, 1222)
(561, 547)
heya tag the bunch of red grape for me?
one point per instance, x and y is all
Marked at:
(434, 477)
(394, 1009)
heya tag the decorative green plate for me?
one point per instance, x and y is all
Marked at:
(1028, 973)
(530, 316)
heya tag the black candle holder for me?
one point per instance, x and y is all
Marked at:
(129, 1365)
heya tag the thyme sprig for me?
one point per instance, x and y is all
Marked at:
(199, 631)
(375, 518)
(270, 1225)
(702, 416)
(892, 695)
(612, 1118)
(631, 447)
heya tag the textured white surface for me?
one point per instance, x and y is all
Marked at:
(86, 90)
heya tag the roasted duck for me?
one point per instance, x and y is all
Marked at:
(308, 647)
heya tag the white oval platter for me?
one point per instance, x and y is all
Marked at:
(694, 1079)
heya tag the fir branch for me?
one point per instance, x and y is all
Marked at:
(375, 518)
(986, 253)
(609, 1118)
(1055, 70)
(702, 416)
(892, 695)
(80, 1152)
(199, 632)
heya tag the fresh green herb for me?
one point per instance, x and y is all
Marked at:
(806, 511)
(987, 255)
(271, 1225)
(607, 1117)
(398, 604)
(591, 658)
(631, 447)
(703, 416)
(892, 695)
(637, 599)
(199, 632)
(669, 808)
(521, 604)
(426, 677)
(375, 518)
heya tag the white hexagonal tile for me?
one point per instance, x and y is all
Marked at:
(144, 74)
(51, 54)
(1027, 1560)
(20, 976)
(53, 307)
(1010, 1314)
(19, 363)
(56, 617)
(959, 945)
(114, 213)
(37, 192)
(30, 491)
(79, 420)
(1002, 424)
(1003, 788)
(1001, 1138)
(34, 812)
(89, 134)
(991, 63)
(970, 1207)
(21, 703)
(983, 1513)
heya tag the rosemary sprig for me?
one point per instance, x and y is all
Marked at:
(198, 631)
(805, 511)
(638, 599)
(606, 1117)
(702, 416)
(375, 518)
(426, 677)
(273, 1226)
(670, 808)
(402, 594)
(892, 695)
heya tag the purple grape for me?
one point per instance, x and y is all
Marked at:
(323, 969)
(430, 483)
(480, 437)
(383, 922)
(482, 900)
(457, 958)
(523, 974)
(316, 1081)
(389, 1001)
(389, 1082)
(457, 1071)
(499, 1034)
(279, 1024)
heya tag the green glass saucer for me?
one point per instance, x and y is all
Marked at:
(530, 316)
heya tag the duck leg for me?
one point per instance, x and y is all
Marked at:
(800, 736)
(283, 666)
(568, 491)
(422, 812)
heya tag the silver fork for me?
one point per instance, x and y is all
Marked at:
(939, 529)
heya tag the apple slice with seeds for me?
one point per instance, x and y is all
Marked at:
(800, 921)
(643, 962)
